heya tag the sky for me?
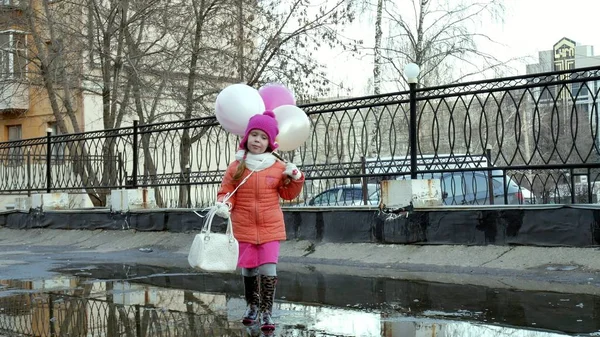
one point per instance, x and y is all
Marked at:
(528, 26)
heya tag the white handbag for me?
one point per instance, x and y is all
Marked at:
(214, 252)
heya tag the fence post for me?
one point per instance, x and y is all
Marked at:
(488, 156)
(51, 317)
(28, 171)
(589, 187)
(188, 173)
(138, 321)
(120, 168)
(363, 171)
(411, 72)
(572, 173)
(48, 160)
(135, 154)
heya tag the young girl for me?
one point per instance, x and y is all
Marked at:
(255, 212)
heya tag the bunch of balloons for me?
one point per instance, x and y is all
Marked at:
(238, 102)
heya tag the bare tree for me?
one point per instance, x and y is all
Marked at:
(275, 43)
(441, 36)
(161, 60)
(290, 34)
(59, 74)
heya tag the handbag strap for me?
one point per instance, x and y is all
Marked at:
(230, 194)
(212, 210)
(206, 229)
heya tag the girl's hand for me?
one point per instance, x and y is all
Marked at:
(292, 171)
(222, 210)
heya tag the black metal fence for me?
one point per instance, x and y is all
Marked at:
(64, 315)
(526, 139)
(60, 313)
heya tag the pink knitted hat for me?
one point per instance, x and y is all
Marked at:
(265, 122)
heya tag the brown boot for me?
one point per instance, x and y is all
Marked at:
(252, 295)
(267, 295)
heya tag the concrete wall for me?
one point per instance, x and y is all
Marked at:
(535, 226)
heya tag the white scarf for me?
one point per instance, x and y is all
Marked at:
(256, 162)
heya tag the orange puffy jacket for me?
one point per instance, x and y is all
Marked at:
(255, 213)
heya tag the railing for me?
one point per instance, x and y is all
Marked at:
(55, 314)
(538, 132)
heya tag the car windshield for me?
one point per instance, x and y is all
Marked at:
(352, 194)
(374, 192)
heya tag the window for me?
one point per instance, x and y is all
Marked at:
(351, 195)
(481, 189)
(498, 185)
(13, 54)
(548, 93)
(326, 198)
(457, 187)
(14, 132)
(58, 149)
(580, 90)
(15, 154)
(375, 197)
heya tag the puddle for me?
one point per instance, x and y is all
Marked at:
(561, 268)
(136, 301)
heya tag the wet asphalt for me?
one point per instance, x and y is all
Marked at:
(399, 297)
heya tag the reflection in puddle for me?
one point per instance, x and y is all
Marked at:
(78, 306)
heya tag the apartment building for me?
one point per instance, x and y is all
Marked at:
(25, 110)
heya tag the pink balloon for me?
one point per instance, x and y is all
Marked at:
(276, 95)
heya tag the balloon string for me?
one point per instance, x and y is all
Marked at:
(278, 157)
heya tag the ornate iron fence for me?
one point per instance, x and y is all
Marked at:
(520, 139)
(53, 314)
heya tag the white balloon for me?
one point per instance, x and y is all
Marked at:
(235, 105)
(294, 127)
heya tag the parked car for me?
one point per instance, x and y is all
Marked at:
(472, 188)
(458, 188)
(347, 195)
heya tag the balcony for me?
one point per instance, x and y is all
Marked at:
(14, 96)
(14, 87)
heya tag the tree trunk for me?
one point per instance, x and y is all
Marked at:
(377, 50)
(240, 14)
(375, 118)
(80, 159)
(186, 145)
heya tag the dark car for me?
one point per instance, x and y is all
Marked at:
(458, 188)
(346, 195)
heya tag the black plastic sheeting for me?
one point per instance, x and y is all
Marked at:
(564, 226)
(542, 310)
(559, 226)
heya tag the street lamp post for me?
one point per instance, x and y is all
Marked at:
(411, 72)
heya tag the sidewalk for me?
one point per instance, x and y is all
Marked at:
(34, 253)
